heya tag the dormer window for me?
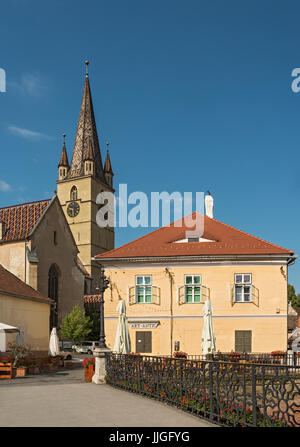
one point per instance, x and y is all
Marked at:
(193, 239)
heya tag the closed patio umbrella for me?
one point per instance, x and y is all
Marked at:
(208, 334)
(20, 336)
(122, 342)
(53, 343)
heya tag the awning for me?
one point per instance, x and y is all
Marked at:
(8, 329)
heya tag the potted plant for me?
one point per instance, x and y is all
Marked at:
(16, 352)
(68, 364)
(277, 356)
(234, 356)
(35, 367)
(21, 371)
(89, 368)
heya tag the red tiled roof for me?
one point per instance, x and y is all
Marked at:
(21, 219)
(227, 240)
(12, 285)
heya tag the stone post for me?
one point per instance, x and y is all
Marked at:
(100, 365)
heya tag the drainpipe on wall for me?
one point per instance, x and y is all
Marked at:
(25, 263)
(290, 261)
(171, 309)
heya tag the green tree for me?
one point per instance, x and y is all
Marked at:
(293, 298)
(94, 316)
(76, 325)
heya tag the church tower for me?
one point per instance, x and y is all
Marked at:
(80, 183)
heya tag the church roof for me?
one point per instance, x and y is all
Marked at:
(12, 285)
(218, 239)
(86, 134)
(21, 219)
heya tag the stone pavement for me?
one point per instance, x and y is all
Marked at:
(61, 399)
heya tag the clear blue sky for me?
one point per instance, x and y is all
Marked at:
(192, 95)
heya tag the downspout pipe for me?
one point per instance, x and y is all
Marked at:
(171, 309)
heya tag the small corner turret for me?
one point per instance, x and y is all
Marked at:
(108, 172)
(63, 166)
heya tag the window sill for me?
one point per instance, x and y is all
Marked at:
(243, 302)
(193, 302)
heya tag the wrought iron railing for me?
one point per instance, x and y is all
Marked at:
(228, 393)
(290, 359)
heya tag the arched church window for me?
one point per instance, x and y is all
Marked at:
(53, 294)
(74, 193)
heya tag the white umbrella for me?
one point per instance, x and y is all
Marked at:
(20, 336)
(122, 342)
(5, 329)
(208, 334)
(53, 343)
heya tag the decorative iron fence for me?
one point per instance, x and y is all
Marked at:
(290, 359)
(228, 393)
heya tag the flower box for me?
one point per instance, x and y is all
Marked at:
(234, 356)
(6, 371)
(89, 372)
(180, 355)
(21, 372)
(89, 368)
(278, 354)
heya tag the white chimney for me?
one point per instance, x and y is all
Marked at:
(209, 205)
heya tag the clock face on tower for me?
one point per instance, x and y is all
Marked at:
(73, 209)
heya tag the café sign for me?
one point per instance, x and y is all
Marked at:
(143, 324)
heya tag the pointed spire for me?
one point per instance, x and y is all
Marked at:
(86, 133)
(64, 156)
(107, 166)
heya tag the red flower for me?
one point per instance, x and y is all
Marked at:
(88, 361)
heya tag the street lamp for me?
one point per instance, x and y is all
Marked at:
(103, 285)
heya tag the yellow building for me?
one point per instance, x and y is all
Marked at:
(165, 278)
(22, 306)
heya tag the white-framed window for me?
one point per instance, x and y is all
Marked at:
(192, 288)
(242, 287)
(143, 289)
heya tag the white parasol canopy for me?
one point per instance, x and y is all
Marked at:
(54, 343)
(8, 329)
(208, 334)
(5, 329)
(122, 342)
